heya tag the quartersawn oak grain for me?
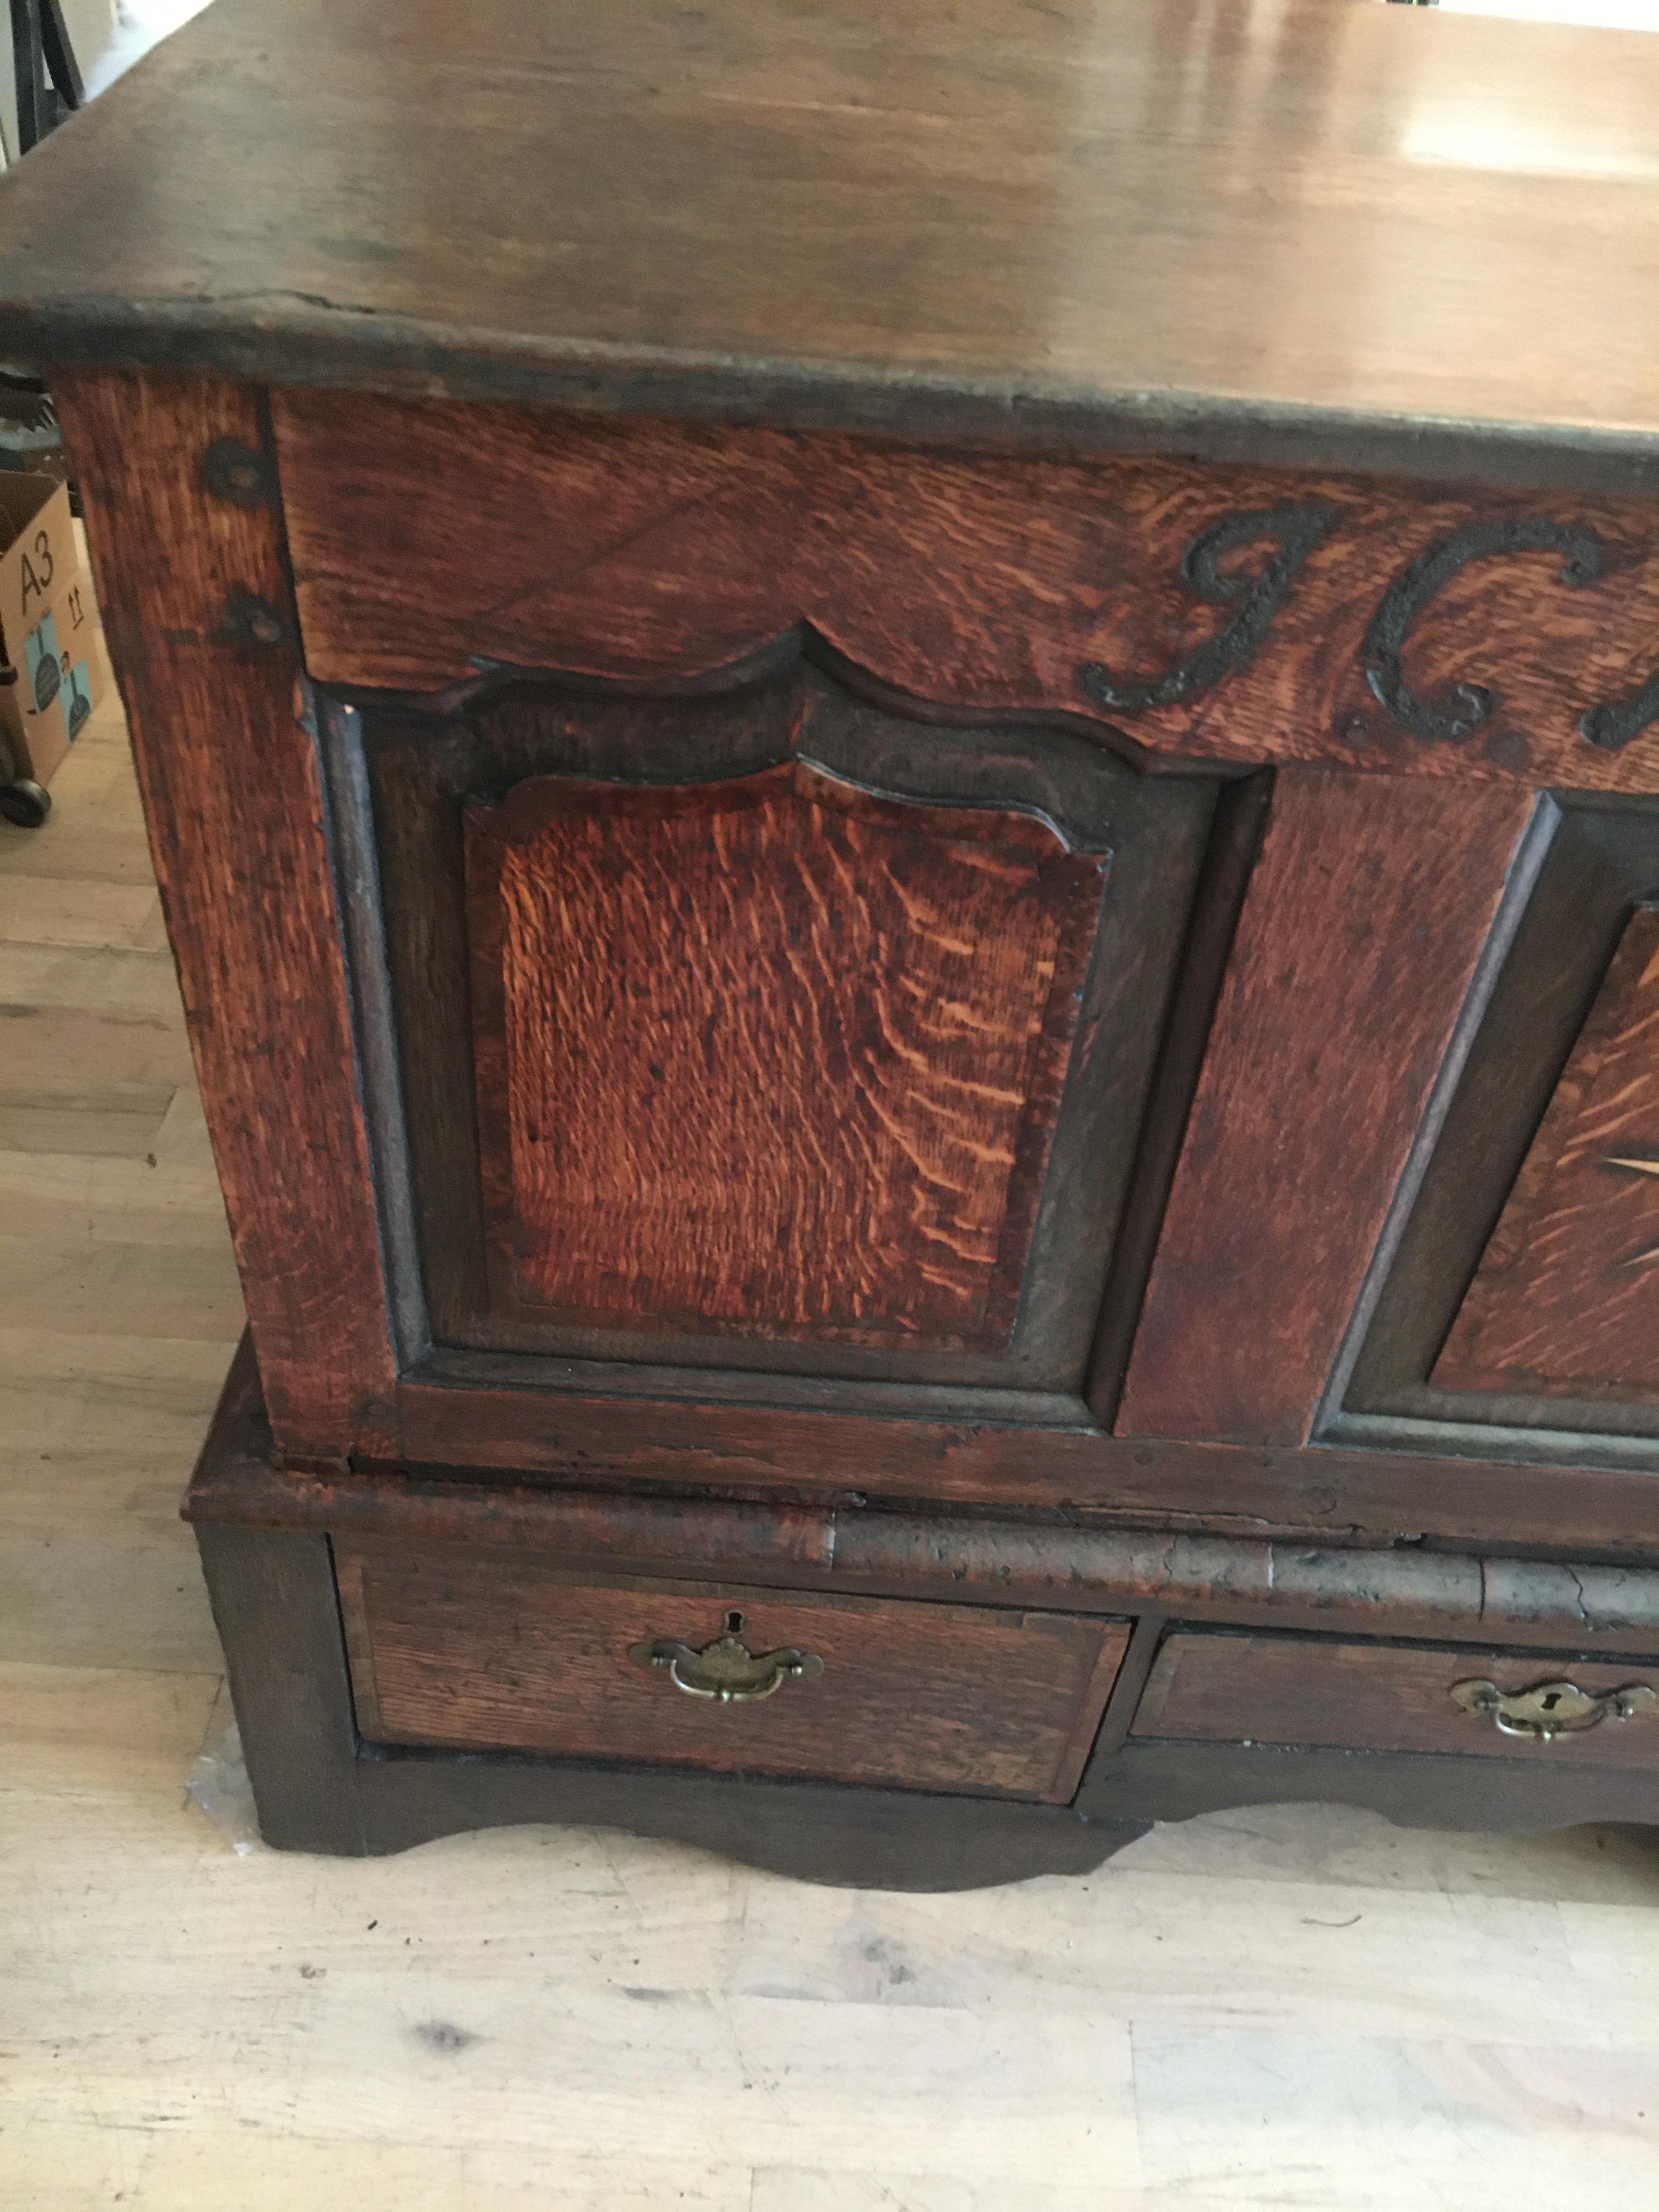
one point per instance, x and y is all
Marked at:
(1270, 227)
(657, 554)
(1588, 867)
(1449, 647)
(770, 1054)
(1287, 1690)
(234, 802)
(1564, 1300)
(423, 768)
(484, 1654)
(1359, 935)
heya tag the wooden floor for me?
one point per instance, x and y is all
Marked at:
(1301, 2008)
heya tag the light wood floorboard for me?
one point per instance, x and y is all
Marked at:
(1273, 2009)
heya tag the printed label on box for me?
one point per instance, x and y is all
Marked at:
(56, 678)
(39, 558)
(41, 662)
(53, 674)
(75, 700)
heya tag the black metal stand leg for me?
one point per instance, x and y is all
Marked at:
(64, 70)
(39, 47)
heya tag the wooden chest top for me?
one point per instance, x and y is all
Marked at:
(1284, 230)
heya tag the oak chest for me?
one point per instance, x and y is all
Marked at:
(906, 777)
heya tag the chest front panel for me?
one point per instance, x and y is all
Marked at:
(769, 1030)
(950, 975)
(770, 1054)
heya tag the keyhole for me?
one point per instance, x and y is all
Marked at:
(734, 1624)
(1551, 1702)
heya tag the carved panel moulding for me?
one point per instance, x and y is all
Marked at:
(1178, 612)
(1564, 1301)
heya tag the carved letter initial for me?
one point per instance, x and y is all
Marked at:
(1294, 530)
(1409, 594)
(1612, 725)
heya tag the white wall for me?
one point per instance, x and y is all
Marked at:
(107, 35)
(142, 24)
(1603, 15)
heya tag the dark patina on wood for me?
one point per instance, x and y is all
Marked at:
(208, 668)
(1239, 615)
(1563, 1301)
(1065, 1561)
(488, 1654)
(953, 973)
(1139, 227)
(321, 1787)
(1139, 845)
(1509, 1298)
(1376, 1697)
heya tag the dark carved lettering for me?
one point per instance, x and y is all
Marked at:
(1469, 705)
(1294, 530)
(1613, 724)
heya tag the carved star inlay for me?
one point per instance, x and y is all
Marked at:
(1643, 1168)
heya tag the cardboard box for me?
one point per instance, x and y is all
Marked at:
(52, 667)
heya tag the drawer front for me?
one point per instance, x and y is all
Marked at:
(475, 1654)
(1370, 1697)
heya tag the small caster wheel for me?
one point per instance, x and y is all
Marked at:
(26, 804)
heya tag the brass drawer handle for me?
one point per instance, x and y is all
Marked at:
(727, 1669)
(1551, 1709)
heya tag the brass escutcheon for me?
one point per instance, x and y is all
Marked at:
(727, 1670)
(1550, 1709)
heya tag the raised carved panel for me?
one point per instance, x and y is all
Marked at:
(769, 1032)
(1565, 1301)
(769, 1054)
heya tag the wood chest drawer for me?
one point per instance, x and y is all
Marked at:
(1376, 1697)
(459, 1652)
